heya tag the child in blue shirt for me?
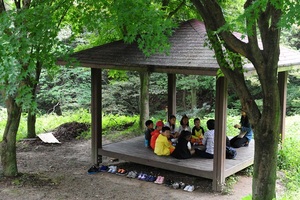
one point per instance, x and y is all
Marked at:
(149, 125)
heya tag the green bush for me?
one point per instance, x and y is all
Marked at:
(289, 155)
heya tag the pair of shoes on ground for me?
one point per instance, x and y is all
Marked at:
(103, 168)
(151, 178)
(142, 176)
(93, 170)
(178, 185)
(159, 180)
(121, 171)
(132, 174)
(189, 188)
(169, 182)
(112, 169)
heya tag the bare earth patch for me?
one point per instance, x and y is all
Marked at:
(59, 171)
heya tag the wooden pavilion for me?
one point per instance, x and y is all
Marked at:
(188, 55)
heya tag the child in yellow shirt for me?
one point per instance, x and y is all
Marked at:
(163, 147)
(197, 132)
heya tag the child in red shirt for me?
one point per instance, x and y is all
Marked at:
(155, 133)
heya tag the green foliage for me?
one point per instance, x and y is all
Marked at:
(293, 100)
(117, 127)
(152, 27)
(291, 37)
(290, 195)
(26, 44)
(120, 97)
(289, 154)
(71, 89)
(229, 182)
(249, 197)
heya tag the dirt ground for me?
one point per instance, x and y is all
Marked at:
(59, 171)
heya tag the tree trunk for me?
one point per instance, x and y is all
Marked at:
(265, 160)
(193, 98)
(184, 100)
(266, 142)
(31, 119)
(8, 144)
(144, 98)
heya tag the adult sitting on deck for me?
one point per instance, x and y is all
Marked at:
(163, 147)
(245, 136)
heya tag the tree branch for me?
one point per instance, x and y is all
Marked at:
(2, 6)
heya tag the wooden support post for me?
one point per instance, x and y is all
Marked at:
(220, 134)
(171, 94)
(96, 111)
(282, 84)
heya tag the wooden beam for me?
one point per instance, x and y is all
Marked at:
(171, 94)
(96, 111)
(282, 84)
(220, 134)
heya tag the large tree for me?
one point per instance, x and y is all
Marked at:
(27, 45)
(29, 42)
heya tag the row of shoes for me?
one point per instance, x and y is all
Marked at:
(142, 176)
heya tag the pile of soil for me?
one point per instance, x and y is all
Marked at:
(70, 131)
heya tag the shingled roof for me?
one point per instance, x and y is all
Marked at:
(188, 54)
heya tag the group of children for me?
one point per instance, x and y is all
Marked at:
(167, 140)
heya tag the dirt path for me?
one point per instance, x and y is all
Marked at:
(60, 172)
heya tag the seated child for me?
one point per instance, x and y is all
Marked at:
(183, 149)
(149, 125)
(163, 147)
(184, 124)
(208, 141)
(197, 132)
(155, 133)
(171, 123)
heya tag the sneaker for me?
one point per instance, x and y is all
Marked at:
(160, 180)
(168, 182)
(157, 179)
(103, 168)
(129, 175)
(186, 188)
(113, 169)
(152, 179)
(134, 174)
(93, 170)
(191, 188)
(144, 177)
(140, 175)
(175, 185)
(181, 185)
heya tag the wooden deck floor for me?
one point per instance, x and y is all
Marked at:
(133, 150)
